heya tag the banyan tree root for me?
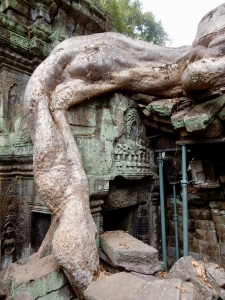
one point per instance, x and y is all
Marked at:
(76, 70)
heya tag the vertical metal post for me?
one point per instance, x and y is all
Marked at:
(162, 209)
(184, 184)
(175, 218)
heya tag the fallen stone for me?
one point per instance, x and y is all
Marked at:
(120, 286)
(217, 274)
(184, 270)
(169, 289)
(201, 115)
(38, 278)
(24, 296)
(126, 251)
(164, 108)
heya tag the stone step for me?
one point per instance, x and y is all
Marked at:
(126, 251)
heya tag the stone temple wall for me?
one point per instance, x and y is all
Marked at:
(29, 30)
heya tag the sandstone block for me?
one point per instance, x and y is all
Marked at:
(177, 119)
(217, 274)
(169, 289)
(38, 278)
(204, 224)
(201, 115)
(200, 214)
(120, 286)
(211, 250)
(163, 107)
(184, 270)
(220, 229)
(126, 251)
(206, 235)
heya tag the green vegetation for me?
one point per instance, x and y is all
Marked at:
(128, 18)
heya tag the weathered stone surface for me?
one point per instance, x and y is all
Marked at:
(163, 107)
(170, 289)
(24, 296)
(200, 214)
(184, 270)
(120, 286)
(177, 119)
(38, 278)
(201, 115)
(204, 224)
(209, 249)
(143, 98)
(214, 130)
(217, 274)
(130, 253)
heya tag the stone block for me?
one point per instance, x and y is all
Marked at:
(204, 224)
(184, 270)
(211, 250)
(163, 107)
(169, 289)
(206, 235)
(38, 278)
(201, 115)
(214, 130)
(200, 214)
(193, 244)
(220, 230)
(126, 251)
(120, 286)
(218, 219)
(177, 119)
(217, 274)
(64, 293)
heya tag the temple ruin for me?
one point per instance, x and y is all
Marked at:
(105, 137)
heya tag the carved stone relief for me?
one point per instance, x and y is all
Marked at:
(8, 245)
(13, 211)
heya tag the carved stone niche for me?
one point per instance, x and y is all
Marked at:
(13, 84)
(124, 193)
(13, 220)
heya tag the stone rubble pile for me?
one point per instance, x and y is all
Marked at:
(187, 280)
(185, 117)
(137, 277)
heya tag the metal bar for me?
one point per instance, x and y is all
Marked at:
(175, 218)
(162, 210)
(184, 184)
